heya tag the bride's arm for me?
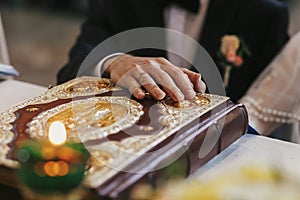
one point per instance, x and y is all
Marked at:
(272, 97)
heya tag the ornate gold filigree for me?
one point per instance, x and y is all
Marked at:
(55, 93)
(177, 114)
(98, 160)
(201, 100)
(32, 109)
(173, 119)
(146, 128)
(88, 119)
(198, 100)
(89, 86)
(85, 86)
(97, 117)
(99, 114)
(181, 104)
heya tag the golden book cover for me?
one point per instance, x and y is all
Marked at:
(126, 138)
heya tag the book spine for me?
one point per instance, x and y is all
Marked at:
(202, 142)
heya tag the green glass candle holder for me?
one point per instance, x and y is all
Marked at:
(45, 168)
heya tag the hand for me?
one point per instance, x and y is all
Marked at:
(138, 73)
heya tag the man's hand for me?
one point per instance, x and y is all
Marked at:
(140, 74)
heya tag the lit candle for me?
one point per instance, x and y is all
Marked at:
(57, 133)
(54, 165)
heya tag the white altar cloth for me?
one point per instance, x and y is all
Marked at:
(13, 92)
(252, 150)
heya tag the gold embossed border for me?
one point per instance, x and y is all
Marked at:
(124, 113)
(53, 94)
(173, 119)
(124, 152)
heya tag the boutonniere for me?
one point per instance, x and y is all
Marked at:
(231, 54)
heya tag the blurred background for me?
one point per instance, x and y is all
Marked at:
(40, 33)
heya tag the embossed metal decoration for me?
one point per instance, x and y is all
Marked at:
(58, 92)
(33, 109)
(88, 119)
(89, 86)
(172, 118)
(96, 117)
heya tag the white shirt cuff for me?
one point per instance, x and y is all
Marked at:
(98, 68)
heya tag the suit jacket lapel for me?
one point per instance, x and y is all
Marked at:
(220, 16)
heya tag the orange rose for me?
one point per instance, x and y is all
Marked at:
(230, 56)
(238, 61)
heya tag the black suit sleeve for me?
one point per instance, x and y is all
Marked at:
(94, 30)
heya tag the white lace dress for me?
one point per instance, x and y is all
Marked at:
(274, 98)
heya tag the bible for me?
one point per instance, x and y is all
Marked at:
(129, 140)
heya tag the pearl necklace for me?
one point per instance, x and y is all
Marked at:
(278, 116)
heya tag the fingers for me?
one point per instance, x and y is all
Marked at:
(165, 80)
(195, 78)
(181, 79)
(148, 83)
(132, 85)
(136, 73)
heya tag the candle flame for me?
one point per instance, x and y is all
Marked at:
(57, 133)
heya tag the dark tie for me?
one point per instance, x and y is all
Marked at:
(191, 5)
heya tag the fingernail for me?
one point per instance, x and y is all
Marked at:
(202, 86)
(180, 96)
(139, 94)
(158, 93)
(190, 94)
